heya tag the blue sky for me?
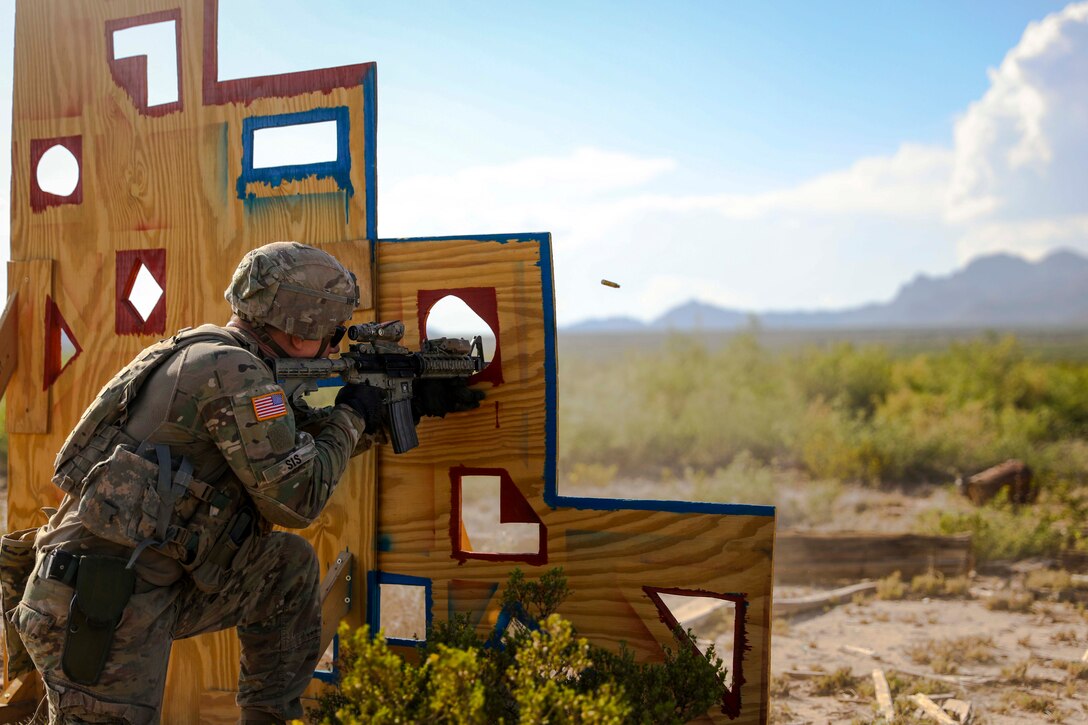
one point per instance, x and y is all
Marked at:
(794, 155)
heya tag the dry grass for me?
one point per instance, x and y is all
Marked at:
(945, 657)
(891, 587)
(1011, 601)
(1066, 636)
(1054, 581)
(1030, 702)
(1077, 671)
(936, 584)
(835, 682)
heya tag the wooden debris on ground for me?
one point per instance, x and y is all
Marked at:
(1013, 473)
(883, 695)
(960, 708)
(932, 709)
(820, 600)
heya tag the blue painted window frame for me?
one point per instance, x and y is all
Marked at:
(338, 170)
(374, 580)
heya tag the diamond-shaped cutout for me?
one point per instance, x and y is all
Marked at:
(145, 293)
(140, 292)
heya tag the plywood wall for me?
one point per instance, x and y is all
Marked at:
(164, 182)
(619, 556)
(173, 187)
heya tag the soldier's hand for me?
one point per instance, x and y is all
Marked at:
(438, 396)
(366, 400)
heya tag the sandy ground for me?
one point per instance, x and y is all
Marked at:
(1020, 673)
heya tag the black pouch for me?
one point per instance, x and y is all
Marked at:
(103, 588)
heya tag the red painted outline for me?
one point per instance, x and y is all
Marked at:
(54, 323)
(40, 200)
(481, 300)
(731, 695)
(247, 90)
(127, 320)
(514, 508)
(131, 73)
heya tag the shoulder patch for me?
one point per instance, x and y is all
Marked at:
(270, 405)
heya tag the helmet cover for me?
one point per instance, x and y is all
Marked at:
(293, 287)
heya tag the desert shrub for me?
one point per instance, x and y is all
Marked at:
(848, 412)
(1010, 601)
(835, 682)
(744, 480)
(1000, 531)
(891, 587)
(944, 656)
(541, 672)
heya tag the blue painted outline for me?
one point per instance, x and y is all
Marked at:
(338, 170)
(370, 148)
(374, 580)
(551, 492)
(511, 611)
(334, 675)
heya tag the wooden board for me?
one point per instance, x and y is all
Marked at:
(810, 557)
(28, 407)
(9, 340)
(612, 551)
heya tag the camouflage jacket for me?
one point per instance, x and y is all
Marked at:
(218, 405)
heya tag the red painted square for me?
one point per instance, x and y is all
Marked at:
(483, 302)
(131, 73)
(513, 508)
(41, 200)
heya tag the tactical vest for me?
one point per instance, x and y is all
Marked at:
(134, 493)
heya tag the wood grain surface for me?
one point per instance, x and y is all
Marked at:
(607, 555)
(167, 181)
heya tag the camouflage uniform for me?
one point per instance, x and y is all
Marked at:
(213, 402)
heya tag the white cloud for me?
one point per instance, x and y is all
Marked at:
(1032, 239)
(1021, 151)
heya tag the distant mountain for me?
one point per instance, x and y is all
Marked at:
(999, 290)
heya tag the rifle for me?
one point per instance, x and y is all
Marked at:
(376, 357)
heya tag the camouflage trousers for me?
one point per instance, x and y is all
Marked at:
(271, 597)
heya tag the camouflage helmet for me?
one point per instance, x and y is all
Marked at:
(294, 288)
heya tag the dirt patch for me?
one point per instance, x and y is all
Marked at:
(1014, 667)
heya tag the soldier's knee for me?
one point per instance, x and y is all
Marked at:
(299, 562)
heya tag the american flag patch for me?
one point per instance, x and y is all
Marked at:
(272, 405)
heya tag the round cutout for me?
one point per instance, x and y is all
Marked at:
(58, 171)
(452, 317)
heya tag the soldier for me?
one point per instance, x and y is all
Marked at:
(174, 476)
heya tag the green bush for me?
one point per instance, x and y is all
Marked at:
(539, 673)
(853, 413)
